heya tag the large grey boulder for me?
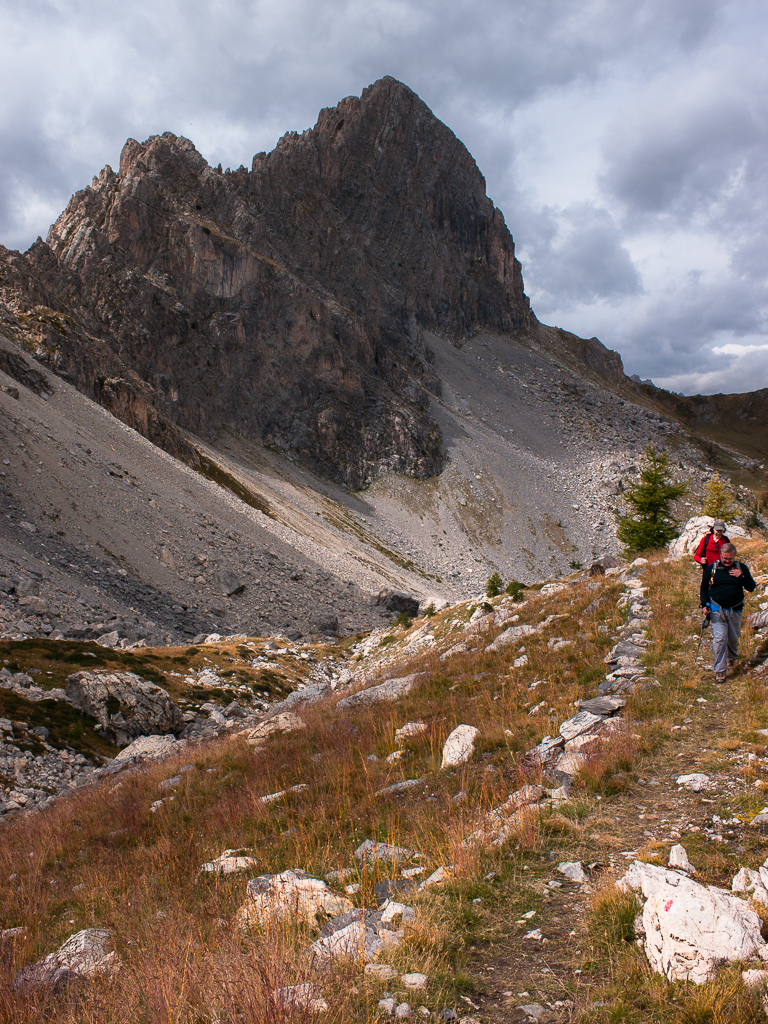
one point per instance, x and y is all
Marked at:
(125, 705)
(392, 689)
(693, 531)
(509, 636)
(230, 583)
(151, 748)
(83, 955)
(395, 601)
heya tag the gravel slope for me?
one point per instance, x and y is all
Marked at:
(117, 533)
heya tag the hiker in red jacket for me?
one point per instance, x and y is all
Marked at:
(708, 549)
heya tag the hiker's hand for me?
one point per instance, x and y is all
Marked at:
(735, 571)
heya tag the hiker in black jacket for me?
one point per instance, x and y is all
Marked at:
(722, 594)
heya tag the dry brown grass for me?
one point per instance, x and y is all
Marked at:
(102, 859)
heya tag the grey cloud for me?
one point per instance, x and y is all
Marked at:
(576, 254)
(732, 374)
(679, 159)
(672, 336)
(235, 75)
(694, 147)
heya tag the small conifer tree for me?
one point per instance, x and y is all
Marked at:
(718, 501)
(515, 589)
(650, 524)
(494, 585)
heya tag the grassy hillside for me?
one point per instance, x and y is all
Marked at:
(103, 858)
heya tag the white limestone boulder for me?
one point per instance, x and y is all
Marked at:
(689, 928)
(124, 704)
(459, 746)
(693, 531)
(291, 895)
(356, 941)
(229, 862)
(83, 955)
(151, 748)
(397, 913)
(501, 823)
(678, 859)
(414, 981)
(409, 730)
(509, 636)
(390, 690)
(571, 763)
(440, 876)
(696, 781)
(285, 722)
(752, 883)
(574, 870)
(579, 724)
(371, 852)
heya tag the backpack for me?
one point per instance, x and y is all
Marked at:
(709, 571)
(701, 549)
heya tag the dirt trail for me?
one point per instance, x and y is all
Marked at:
(562, 971)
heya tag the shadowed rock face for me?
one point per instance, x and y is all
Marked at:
(286, 302)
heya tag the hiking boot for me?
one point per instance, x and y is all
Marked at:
(719, 677)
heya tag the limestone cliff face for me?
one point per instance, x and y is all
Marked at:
(286, 302)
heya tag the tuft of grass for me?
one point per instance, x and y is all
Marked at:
(611, 916)
(610, 767)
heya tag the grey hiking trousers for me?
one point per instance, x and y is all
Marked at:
(726, 626)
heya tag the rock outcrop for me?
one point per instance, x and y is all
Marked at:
(287, 302)
(125, 705)
(300, 287)
(689, 927)
(83, 955)
(694, 530)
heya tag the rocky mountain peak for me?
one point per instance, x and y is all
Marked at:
(290, 304)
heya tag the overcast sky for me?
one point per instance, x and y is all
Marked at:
(625, 141)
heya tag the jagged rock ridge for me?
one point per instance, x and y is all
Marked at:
(285, 303)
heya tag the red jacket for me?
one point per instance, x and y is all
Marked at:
(708, 550)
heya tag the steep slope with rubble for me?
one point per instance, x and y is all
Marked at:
(340, 336)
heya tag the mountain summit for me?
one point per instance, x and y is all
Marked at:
(287, 302)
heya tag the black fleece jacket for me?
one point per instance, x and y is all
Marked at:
(719, 586)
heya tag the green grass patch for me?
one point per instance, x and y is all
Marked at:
(67, 727)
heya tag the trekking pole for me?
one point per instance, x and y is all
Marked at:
(705, 623)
